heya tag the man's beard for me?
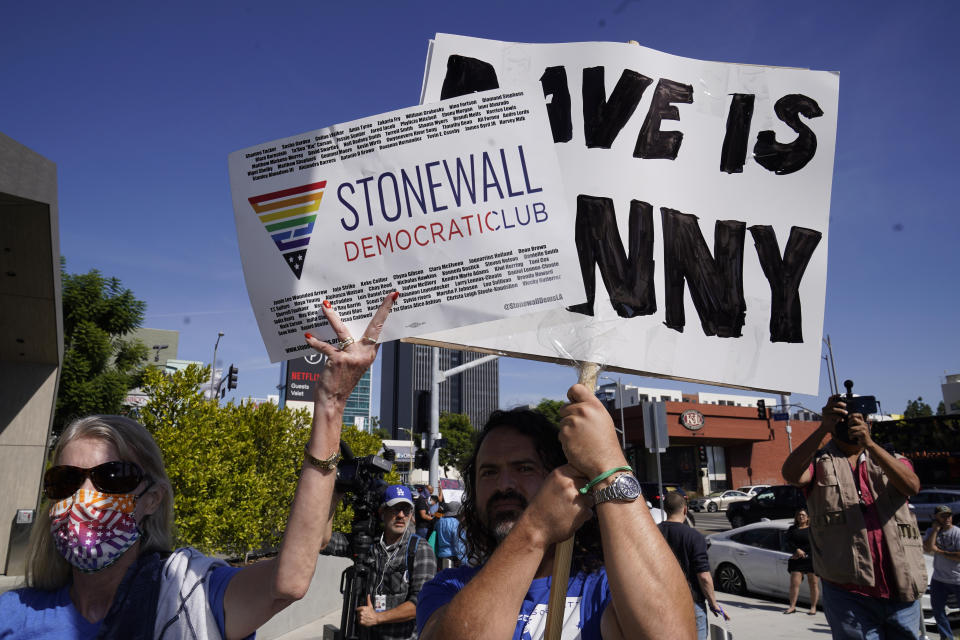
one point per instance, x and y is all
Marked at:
(499, 523)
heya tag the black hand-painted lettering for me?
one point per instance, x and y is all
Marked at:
(628, 279)
(784, 275)
(653, 143)
(467, 75)
(733, 155)
(784, 158)
(554, 83)
(603, 119)
(716, 282)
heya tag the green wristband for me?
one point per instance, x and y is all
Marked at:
(603, 476)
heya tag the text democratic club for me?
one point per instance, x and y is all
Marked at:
(432, 188)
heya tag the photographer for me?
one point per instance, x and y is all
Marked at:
(402, 563)
(865, 542)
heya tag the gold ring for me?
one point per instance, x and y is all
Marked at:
(343, 344)
(368, 340)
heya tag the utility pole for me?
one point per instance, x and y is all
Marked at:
(785, 403)
(213, 365)
(438, 377)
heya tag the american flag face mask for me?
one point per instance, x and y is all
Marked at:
(91, 530)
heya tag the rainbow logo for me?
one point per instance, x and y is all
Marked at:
(288, 216)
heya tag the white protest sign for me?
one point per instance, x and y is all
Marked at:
(702, 198)
(459, 206)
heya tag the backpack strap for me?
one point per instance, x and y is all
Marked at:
(412, 553)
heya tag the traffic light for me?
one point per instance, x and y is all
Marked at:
(762, 409)
(232, 377)
(421, 459)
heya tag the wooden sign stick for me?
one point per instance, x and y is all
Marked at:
(563, 552)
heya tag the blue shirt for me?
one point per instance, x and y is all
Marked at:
(450, 543)
(36, 614)
(588, 595)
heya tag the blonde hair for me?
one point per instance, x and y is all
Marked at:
(46, 568)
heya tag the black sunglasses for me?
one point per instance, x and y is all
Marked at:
(118, 476)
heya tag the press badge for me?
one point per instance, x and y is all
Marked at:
(380, 602)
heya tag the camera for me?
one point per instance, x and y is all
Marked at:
(362, 480)
(864, 405)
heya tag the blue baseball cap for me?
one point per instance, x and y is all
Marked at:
(397, 493)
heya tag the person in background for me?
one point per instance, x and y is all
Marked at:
(100, 563)
(421, 510)
(451, 545)
(801, 562)
(690, 548)
(866, 546)
(404, 562)
(943, 541)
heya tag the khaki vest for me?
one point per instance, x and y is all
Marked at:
(838, 534)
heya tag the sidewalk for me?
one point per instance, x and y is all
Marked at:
(750, 619)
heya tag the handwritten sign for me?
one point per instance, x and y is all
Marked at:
(672, 165)
(457, 205)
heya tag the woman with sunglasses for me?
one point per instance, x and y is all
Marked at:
(100, 565)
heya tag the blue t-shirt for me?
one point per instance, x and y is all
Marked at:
(450, 542)
(36, 614)
(588, 595)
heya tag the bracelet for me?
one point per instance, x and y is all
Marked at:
(603, 476)
(325, 465)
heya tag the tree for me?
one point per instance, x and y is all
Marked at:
(941, 409)
(99, 365)
(551, 410)
(917, 409)
(459, 434)
(234, 468)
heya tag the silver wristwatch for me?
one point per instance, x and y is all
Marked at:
(625, 488)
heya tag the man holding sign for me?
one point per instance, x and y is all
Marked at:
(528, 487)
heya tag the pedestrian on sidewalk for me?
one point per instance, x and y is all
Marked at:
(690, 548)
(943, 541)
(801, 562)
(866, 545)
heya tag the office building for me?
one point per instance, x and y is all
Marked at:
(407, 377)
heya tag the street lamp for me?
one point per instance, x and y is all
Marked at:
(158, 348)
(213, 365)
(623, 428)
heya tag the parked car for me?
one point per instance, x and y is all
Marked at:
(753, 489)
(927, 500)
(718, 501)
(779, 501)
(753, 558)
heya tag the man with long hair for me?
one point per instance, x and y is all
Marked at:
(528, 487)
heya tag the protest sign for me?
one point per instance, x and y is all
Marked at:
(457, 205)
(669, 162)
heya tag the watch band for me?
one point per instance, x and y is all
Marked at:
(326, 464)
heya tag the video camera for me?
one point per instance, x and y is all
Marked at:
(362, 479)
(864, 405)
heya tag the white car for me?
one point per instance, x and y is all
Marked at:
(720, 500)
(753, 558)
(753, 489)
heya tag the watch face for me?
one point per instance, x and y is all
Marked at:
(628, 486)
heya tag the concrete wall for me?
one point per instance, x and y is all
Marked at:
(31, 328)
(322, 598)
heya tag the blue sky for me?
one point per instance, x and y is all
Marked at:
(139, 105)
